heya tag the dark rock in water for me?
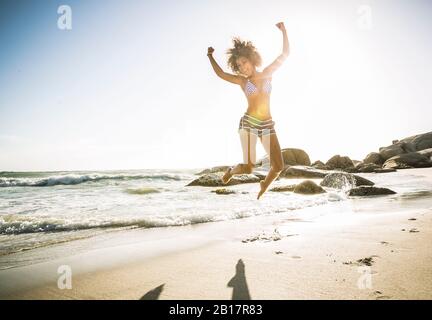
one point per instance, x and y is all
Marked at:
(374, 158)
(305, 187)
(308, 187)
(215, 180)
(213, 170)
(338, 162)
(320, 165)
(368, 167)
(298, 172)
(259, 175)
(344, 180)
(290, 187)
(224, 169)
(369, 191)
(291, 157)
(408, 160)
(360, 181)
(350, 170)
(223, 191)
(384, 170)
(339, 180)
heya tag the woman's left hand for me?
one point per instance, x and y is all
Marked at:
(281, 26)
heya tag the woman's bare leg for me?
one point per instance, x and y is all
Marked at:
(248, 142)
(272, 148)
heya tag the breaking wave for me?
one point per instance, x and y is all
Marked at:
(72, 179)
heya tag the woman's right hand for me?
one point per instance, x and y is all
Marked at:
(281, 26)
(210, 50)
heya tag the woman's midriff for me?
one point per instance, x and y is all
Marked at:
(259, 110)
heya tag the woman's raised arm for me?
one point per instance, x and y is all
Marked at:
(220, 73)
(285, 52)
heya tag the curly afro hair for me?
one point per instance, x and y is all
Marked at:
(242, 49)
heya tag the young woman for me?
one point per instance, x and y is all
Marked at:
(257, 121)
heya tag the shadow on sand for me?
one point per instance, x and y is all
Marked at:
(153, 294)
(238, 283)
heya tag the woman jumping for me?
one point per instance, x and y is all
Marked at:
(256, 121)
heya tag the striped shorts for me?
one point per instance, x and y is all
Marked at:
(256, 126)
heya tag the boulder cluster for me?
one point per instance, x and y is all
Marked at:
(338, 172)
(410, 152)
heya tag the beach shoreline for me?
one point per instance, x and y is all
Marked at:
(345, 250)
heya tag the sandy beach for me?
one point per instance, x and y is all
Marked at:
(350, 250)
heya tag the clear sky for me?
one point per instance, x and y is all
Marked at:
(130, 85)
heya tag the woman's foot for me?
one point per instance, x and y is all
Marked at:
(263, 189)
(227, 176)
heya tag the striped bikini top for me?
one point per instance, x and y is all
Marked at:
(250, 88)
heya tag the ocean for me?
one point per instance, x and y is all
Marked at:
(40, 209)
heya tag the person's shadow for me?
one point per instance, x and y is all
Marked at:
(238, 283)
(153, 294)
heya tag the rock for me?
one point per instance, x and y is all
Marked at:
(338, 162)
(339, 180)
(384, 170)
(214, 180)
(350, 170)
(396, 149)
(343, 180)
(393, 165)
(367, 167)
(260, 175)
(408, 160)
(419, 141)
(320, 165)
(308, 187)
(223, 191)
(291, 157)
(305, 187)
(374, 158)
(295, 172)
(369, 191)
(290, 187)
(213, 170)
(360, 181)
(407, 145)
(426, 152)
(356, 162)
